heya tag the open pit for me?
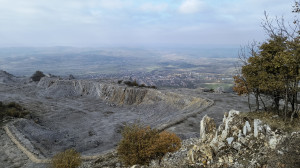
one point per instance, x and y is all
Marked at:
(88, 115)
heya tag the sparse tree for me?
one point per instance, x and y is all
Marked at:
(274, 70)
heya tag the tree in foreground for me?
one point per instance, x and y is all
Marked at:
(140, 144)
(273, 69)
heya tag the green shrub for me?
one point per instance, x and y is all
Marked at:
(142, 144)
(67, 159)
(37, 76)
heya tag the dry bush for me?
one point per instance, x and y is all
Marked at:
(67, 159)
(142, 144)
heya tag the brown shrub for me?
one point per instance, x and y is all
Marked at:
(67, 159)
(142, 144)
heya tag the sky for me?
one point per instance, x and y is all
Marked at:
(134, 23)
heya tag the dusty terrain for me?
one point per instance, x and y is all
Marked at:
(89, 115)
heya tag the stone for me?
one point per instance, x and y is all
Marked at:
(202, 153)
(274, 141)
(246, 128)
(257, 127)
(268, 130)
(229, 140)
(243, 140)
(227, 123)
(240, 134)
(230, 159)
(207, 128)
(237, 145)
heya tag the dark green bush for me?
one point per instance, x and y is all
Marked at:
(142, 144)
(134, 83)
(37, 76)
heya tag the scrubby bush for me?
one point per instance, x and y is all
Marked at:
(67, 159)
(129, 83)
(12, 109)
(135, 83)
(142, 85)
(142, 144)
(37, 76)
(120, 81)
(153, 87)
(14, 105)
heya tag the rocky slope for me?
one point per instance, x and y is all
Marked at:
(237, 142)
(88, 115)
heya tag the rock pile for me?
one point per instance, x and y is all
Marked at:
(237, 142)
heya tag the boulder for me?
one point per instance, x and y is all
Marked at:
(207, 128)
(258, 127)
(246, 128)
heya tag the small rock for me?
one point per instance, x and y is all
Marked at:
(236, 145)
(280, 152)
(230, 159)
(229, 140)
(246, 128)
(257, 127)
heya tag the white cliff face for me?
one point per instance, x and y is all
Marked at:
(118, 94)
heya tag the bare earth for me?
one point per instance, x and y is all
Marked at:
(89, 115)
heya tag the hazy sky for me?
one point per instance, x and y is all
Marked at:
(135, 22)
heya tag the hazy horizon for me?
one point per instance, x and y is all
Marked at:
(129, 23)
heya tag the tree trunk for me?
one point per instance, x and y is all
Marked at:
(263, 103)
(276, 101)
(249, 102)
(286, 105)
(257, 101)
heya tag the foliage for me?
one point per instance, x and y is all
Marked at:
(12, 109)
(37, 76)
(240, 86)
(142, 144)
(274, 68)
(67, 159)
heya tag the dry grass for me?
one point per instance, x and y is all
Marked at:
(142, 144)
(67, 159)
(275, 121)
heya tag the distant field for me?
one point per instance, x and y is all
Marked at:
(88, 61)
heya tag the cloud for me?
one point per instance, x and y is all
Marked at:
(150, 7)
(191, 6)
(113, 4)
